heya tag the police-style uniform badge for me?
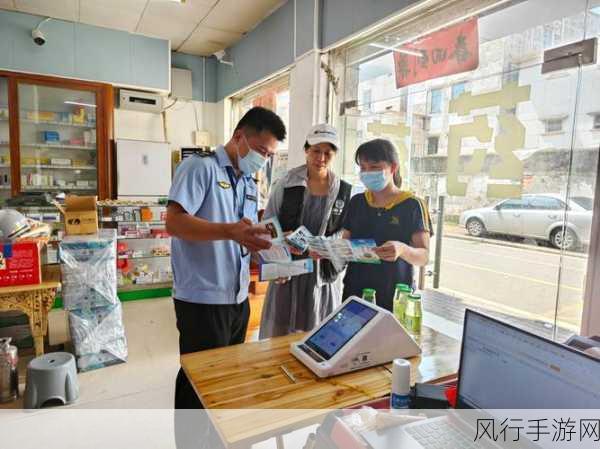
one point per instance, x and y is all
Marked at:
(338, 207)
(395, 220)
(224, 185)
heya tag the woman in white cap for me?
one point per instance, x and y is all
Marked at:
(313, 196)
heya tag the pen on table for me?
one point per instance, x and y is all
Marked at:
(288, 374)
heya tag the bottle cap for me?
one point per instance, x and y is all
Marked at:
(414, 296)
(368, 291)
(401, 376)
(403, 288)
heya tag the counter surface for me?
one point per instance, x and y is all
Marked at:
(250, 376)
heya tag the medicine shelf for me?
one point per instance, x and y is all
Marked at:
(57, 189)
(135, 287)
(45, 146)
(124, 237)
(145, 256)
(59, 167)
(50, 123)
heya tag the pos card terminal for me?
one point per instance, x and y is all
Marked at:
(356, 335)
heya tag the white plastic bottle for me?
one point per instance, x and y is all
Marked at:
(400, 397)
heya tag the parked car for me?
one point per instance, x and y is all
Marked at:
(541, 216)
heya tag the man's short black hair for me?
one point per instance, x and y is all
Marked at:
(259, 119)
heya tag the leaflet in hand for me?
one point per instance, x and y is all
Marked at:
(343, 250)
(273, 271)
(279, 252)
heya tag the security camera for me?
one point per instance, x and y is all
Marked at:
(221, 55)
(37, 35)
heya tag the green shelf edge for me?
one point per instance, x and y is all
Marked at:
(130, 296)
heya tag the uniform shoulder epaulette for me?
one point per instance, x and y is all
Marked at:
(206, 153)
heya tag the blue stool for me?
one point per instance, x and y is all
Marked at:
(51, 377)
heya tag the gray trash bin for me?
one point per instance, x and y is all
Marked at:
(51, 377)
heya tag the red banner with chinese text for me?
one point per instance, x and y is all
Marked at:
(446, 52)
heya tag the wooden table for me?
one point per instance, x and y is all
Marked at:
(234, 382)
(35, 301)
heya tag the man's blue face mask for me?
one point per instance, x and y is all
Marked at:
(252, 162)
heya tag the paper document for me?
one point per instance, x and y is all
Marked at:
(279, 252)
(354, 250)
(272, 271)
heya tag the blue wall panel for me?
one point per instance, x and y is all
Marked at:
(266, 49)
(49, 58)
(84, 52)
(149, 58)
(342, 18)
(102, 55)
(305, 26)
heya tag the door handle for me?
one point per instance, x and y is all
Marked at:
(516, 215)
(552, 217)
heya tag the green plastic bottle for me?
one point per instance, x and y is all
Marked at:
(400, 301)
(413, 314)
(369, 294)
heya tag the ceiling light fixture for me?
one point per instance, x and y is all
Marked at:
(398, 50)
(78, 103)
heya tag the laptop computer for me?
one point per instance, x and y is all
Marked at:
(504, 367)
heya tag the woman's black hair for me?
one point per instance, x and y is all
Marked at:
(307, 146)
(380, 150)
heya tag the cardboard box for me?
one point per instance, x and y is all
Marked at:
(20, 264)
(81, 215)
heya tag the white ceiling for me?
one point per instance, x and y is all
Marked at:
(199, 27)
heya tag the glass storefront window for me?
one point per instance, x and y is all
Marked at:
(511, 151)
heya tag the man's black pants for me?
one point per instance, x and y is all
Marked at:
(206, 326)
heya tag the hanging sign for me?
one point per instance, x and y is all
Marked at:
(446, 52)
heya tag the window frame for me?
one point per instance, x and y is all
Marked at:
(547, 122)
(439, 109)
(437, 145)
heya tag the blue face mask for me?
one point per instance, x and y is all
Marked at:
(375, 181)
(252, 162)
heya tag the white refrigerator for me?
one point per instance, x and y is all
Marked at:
(143, 169)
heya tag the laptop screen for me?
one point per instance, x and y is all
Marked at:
(340, 329)
(503, 367)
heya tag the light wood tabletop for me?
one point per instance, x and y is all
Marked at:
(250, 376)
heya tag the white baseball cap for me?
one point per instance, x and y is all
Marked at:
(323, 133)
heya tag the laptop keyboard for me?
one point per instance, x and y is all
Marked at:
(440, 434)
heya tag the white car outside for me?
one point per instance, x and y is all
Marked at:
(545, 216)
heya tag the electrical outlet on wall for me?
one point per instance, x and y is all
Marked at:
(201, 138)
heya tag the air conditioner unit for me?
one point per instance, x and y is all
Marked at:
(181, 84)
(140, 101)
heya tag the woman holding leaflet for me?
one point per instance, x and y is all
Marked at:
(397, 220)
(313, 196)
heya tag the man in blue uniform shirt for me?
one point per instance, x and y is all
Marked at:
(212, 215)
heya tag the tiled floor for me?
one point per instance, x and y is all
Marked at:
(147, 379)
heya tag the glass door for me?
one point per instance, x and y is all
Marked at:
(505, 151)
(57, 140)
(4, 142)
